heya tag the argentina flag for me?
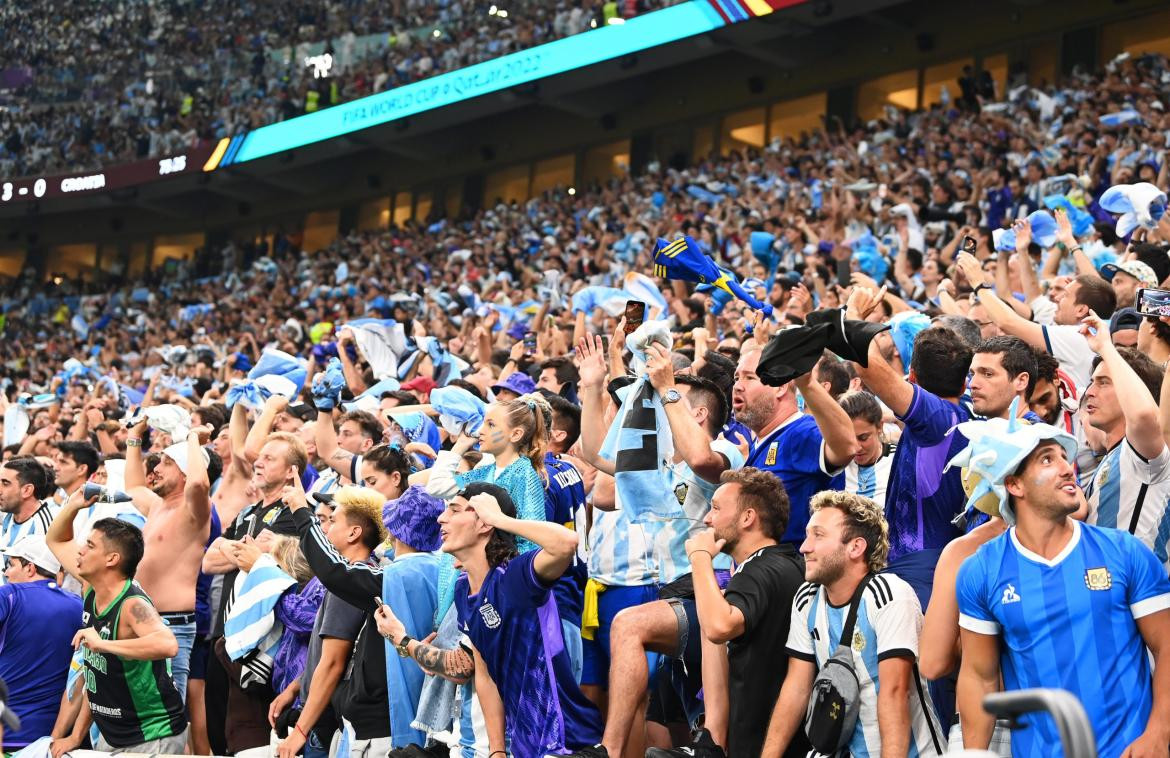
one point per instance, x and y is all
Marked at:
(640, 445)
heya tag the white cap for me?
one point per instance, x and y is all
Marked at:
(178, 453)
(34, 550)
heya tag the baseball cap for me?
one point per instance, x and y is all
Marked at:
(35, 550)
(517, 382)
(1154, 256)
(1124, 319)
(304, 411)
(1138, 270)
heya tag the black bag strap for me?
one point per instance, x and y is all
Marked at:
(851, 619)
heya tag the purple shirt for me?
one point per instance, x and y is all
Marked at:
(513, 623)
(921, 500)
(297, 611)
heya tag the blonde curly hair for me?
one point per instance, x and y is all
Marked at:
(863, 518)
(533, 415)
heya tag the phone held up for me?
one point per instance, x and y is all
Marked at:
(1153, 302)
(635, 315)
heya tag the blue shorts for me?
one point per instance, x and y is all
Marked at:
(595, 659)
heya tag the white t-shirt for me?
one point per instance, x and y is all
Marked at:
(889, 620)
(1068, 345)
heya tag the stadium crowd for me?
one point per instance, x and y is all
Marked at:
(446, 488)
(77, 97)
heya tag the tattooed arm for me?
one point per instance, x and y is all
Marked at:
(142, 635)
(457, 665)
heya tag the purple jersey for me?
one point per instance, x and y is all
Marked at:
(513, 623)
(921, 500)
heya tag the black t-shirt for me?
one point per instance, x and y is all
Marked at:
(762, 589)
(254, 519)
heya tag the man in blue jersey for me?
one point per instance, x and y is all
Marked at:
(564, 503)
(523, 677)
(1057, 603)
(1131, 487)
(805, 450)
(37, 622)
(921, 499)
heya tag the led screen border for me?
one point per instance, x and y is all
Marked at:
(639, 33)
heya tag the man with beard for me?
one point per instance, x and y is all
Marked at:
(1054, 596)
(177, 507)
(749, 514)
(1002, 370)
(805, 450)
(281, 460)
(24, 485)
(845, 549)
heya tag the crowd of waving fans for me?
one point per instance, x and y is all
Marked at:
(77, 95)
(618, 473)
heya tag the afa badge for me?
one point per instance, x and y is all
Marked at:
(771, 459)
(858, 641)
(1098, 579)
(490, 617)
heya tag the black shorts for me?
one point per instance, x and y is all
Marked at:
(200, 652)
(676, 686)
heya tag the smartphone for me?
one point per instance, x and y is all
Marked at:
(635, 315)
(378, 601)
(530, 343)
(1153, 302)
(968, 244)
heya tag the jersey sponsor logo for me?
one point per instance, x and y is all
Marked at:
(490, 617)
(1010, 596)
(771, 459)
(1098, 579)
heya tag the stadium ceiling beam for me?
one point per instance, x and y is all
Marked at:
(878, 19)
(269, 181)
(413, 151)
(230, 192)
(161, 210)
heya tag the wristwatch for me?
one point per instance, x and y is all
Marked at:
(401, 646)
(982, 286)
(671, 396)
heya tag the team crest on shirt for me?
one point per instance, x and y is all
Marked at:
(1098, 579)
(84, 618)
(680, 492)
(858, 641)
(771, 459)
(490, 617)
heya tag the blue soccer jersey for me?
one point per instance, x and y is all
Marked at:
(1070, 622)
(564, 497)
(795, 452)
(513, 623)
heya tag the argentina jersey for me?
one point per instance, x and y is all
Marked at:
(39, 522)
(620, 551)
(889, 620)
(1128, 492)
(1086, 602)
(867, 481)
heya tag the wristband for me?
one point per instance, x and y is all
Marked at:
(497, 752)
(982, 286)
(302, 731)
(133, 442)
(1075, 249)
(699, 551)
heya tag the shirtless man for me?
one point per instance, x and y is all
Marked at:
(177, 507)
(233, 492)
